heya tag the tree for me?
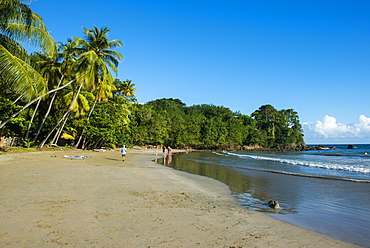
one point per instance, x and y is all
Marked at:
(96, 59)
(125, 88)
(93, 64)
(266, 117)
(19, 24)
(107, 125)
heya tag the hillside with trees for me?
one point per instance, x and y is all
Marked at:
(68, 93)
(171, 122)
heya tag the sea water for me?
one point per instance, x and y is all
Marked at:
(327, 191)
(339, 162)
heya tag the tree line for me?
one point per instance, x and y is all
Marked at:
(171, 122)
(68, 92)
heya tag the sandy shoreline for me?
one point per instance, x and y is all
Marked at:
(48, 200)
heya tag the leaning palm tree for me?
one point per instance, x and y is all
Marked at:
(94, 63)
(74, 100)
(18, 24)
(49, 66)
(79, 105)
(59, 69)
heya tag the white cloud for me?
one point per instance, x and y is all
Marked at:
(328, 128)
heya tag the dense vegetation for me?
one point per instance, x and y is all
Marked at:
(68, 93)
(169, 121)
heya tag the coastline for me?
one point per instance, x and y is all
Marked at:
(100, 201)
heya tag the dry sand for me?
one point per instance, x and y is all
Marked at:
(51, 201)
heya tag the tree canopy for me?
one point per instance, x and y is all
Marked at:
(171, 122)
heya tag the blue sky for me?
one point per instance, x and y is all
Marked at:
(312, 56)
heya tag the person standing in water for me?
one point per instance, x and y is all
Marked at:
(123, 152)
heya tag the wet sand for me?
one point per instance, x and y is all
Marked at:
(48, 200)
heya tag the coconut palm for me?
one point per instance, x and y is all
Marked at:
(96, 61)
(79, 105)
(49, 68)
(103, 92)
(18, 24)
(93, 65)
(125, 88)
(96, 58)
(61, 68)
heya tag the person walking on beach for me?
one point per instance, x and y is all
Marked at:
(123, 152)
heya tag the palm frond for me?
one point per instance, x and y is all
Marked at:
(21, 76)
(33, 36)
(15, 11)
(14, 47)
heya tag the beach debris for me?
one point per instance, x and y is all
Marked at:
(76, 157)
(273, 204)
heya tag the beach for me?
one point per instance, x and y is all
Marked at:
(100, 201)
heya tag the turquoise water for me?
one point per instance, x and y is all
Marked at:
(327, 191)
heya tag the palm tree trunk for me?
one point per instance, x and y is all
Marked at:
(2, 124)
(59, 132)
(19, 97)
(41, 145)
(84, 143)
(31, 121)
(64, 116)
(47, 112)
(83, 130)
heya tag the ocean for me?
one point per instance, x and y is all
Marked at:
(326, 191)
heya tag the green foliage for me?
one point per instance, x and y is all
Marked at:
(170, 122)
(107, 124)
(27, 143)
(16, 125)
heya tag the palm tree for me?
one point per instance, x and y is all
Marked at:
(79, 105)
(50, 68)
(72, 99)
(94, 63)
(96, 60)
(19, 24)
(125, 88)
(103, 92)
(61, 68)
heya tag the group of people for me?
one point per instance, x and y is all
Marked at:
(169, 149)
(124, 150)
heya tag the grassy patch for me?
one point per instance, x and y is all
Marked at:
(18, 149)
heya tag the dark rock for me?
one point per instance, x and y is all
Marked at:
(273, 204)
